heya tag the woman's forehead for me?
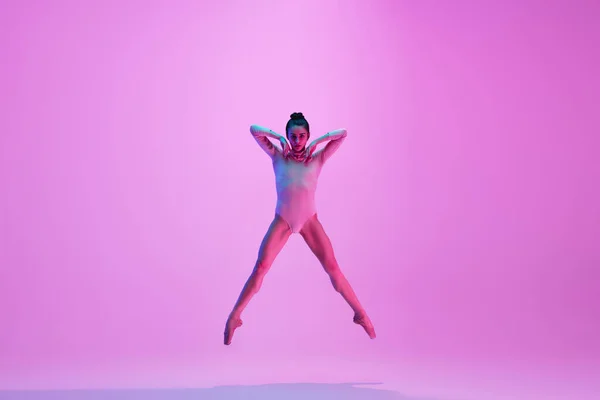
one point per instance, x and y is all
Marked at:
(297, 129)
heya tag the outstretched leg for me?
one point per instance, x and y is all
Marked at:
(317, 240)
(274, 240)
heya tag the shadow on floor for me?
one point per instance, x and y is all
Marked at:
(280, 391)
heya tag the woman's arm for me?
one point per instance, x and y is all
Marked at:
(262, 135)
(334, 138)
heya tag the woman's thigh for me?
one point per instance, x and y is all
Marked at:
(276, 237)
(319, 243)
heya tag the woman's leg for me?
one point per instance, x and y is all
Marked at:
(317, 240)
(274, 240)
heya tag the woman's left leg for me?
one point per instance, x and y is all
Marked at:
(317, 240)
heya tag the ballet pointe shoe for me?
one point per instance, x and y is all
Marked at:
(366, 323)
(232, 324)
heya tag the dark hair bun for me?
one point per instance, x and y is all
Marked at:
(297, 115)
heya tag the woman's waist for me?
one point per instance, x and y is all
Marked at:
(296, 191)
(295, 195)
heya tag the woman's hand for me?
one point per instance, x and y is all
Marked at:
(310, 150)
(285, 146)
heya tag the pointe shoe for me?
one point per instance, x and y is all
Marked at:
(365, 322)
(231, 325)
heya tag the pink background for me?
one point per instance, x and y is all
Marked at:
(463, 207)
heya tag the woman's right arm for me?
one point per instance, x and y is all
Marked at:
(262, 135)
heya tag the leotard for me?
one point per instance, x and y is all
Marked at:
(296, 181)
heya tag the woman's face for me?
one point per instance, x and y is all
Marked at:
(298, 136)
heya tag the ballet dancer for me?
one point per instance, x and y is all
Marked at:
(297, 168)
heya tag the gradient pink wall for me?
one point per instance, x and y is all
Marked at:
(464, 206)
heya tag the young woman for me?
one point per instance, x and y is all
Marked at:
(297, 168)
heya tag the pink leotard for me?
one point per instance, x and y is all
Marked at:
(296, 184)
(296, 181)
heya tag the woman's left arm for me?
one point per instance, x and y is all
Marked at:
(334, 139)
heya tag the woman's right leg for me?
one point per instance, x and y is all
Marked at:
(274, 240)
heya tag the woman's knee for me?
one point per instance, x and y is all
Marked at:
(337, 280)
(329, 263)
(262, 266)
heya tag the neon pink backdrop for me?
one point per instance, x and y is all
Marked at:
(463, 206)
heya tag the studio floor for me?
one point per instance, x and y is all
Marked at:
(315, 381)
